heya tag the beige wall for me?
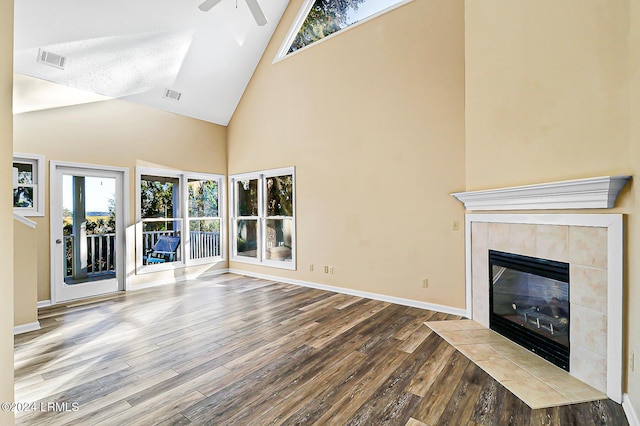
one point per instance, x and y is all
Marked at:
(547, 99)
(546, 91)
(122, 134)
(6, 212)
(372, 119)
(25, 255)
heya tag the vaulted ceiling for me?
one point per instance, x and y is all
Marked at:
(137, 50)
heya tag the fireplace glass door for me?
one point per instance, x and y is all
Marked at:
(530, 304)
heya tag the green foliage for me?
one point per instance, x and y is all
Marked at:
(280, 196)
(156, 200)
(23, 197)
(111, 221)
(204, 225)
(247, 193)
(325, 17)
(203, 198)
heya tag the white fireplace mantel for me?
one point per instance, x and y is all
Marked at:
(591, 193)
(613, 223)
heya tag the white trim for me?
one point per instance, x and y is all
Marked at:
(261, 218)
(632, 414)
(615, 323)
(302, 15)
(39, 186)
(279, 171)
(176, 280)
(24, 220)
(55, 218)
(25, 328)
(590, 193)
(615, 308)
(44, 303)
(468, 278)
(140, 267)
(365, 294)
(294, 30)
(183, 218)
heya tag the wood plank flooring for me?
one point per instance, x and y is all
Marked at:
(233, 350)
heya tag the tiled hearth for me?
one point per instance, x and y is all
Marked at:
(592, 245)
(537, 382)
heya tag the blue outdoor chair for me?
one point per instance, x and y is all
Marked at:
(164, 250)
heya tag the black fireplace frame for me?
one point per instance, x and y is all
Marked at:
(548, 349)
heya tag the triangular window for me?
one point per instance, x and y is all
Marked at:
(321, 18)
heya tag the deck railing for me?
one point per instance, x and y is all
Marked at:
(101, 254)
(204, 244)
(101, 249)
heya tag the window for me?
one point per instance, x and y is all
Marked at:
(28, 185)
(321, 18)
(204, 218)
(263, 218)
(180, 220)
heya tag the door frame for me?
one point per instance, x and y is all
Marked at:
(55, 215)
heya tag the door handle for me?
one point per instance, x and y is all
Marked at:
(58, 241)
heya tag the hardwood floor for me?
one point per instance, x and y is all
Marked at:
(233, 350)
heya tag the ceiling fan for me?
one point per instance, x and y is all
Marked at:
(254, 7)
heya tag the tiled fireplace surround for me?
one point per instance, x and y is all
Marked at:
(592, 245)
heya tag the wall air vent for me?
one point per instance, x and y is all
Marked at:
(172, 94)
(51, 59)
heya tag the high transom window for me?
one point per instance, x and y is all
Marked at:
(321, 18)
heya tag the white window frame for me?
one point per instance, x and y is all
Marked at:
(260, 258)
(37, 163)
(182, 218)
(221, 216)
(282, 52)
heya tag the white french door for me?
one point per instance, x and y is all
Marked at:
(87, 230)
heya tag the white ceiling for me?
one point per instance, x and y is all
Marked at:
(134, 50)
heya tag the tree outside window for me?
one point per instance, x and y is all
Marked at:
(264, 217)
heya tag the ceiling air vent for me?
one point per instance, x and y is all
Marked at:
(172, 94)
(52, 59)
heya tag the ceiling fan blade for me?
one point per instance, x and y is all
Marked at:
(208, 4)
(256, 11)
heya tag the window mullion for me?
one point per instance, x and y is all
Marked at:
(262, 213)
(184, 214)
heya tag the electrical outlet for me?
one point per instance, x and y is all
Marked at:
(632, 361)
(455, 225)
(331, 269)
(425, 283)
(311, 267)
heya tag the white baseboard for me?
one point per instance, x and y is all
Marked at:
(632, 416)
(209, 274)
(176, 280)
(374, 296)
(44, 304)
(25, 328)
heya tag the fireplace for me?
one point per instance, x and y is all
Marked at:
(592, 244)
(529, 304)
